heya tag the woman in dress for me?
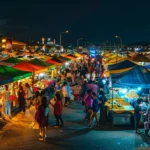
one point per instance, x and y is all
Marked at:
(21, 99)
(42, 118)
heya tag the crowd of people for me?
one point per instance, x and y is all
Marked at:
(84, 81)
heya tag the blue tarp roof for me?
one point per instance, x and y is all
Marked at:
(122, 65)
(136, 77)
(147, 66)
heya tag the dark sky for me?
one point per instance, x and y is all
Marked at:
(95, 21)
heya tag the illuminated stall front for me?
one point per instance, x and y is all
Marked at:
(125, 90)
(16, 75)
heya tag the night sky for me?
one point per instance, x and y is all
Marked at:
(94, 21)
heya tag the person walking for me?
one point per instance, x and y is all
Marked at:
(21, 99)
(95, 87)
(42, 118)
(148, 120)
(58, 106)
(95, 109)
(67, 93)
(88, 101)
(137, 114)
(29, 95)
(83, 89)
(37, 103)
(103, 111)
(6, 102)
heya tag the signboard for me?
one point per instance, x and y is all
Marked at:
(92, 52)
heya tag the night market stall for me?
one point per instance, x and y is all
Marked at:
(124, 92)
(12, 77)
(58, 63)
(126, 64)
(37, 73)
(141, 59)
(49, 74)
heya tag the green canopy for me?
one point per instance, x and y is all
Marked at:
(13, 73)
(39, 62)
(13, 60)
(42, 63)
(65, 59)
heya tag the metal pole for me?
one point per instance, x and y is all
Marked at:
(77, 43)
(60, 41)
(121, 42)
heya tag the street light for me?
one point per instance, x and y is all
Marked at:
(61, 36)
(118, 37)
(78, 41)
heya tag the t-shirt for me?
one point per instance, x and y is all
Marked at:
(6, 96)
(46, 111)
(58, 107)
(29, 92)
(66, 91)
(95, 106)
(95, 88)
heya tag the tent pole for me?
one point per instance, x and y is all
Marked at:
(33, 74)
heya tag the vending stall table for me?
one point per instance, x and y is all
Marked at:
(121, 111)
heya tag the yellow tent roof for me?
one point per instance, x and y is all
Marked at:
(115, 59)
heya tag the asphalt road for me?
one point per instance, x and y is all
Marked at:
(75, 135)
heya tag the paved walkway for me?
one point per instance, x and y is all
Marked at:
(16, 134)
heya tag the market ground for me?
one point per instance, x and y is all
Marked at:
(16, 134)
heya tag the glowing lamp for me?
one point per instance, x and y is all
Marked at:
(104, 81)
(66, 63)
(3, 40)
(41, 74)
(3, 46)
(123, 91)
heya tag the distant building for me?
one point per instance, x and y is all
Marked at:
(109, 46)
(11, 44)
(139, 47)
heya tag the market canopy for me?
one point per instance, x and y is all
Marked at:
(64, 58)
(25, 66)
(53, 62)
(72, 55)
(147, 66)
(138, 76)
(122, 65)
(57, 60)
(5, 80)
(13, 60)
(140, 58)
(6, 64)
(115, 59)
(40, 62)
(13, 73)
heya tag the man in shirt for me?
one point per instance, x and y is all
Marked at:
(6, 102)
